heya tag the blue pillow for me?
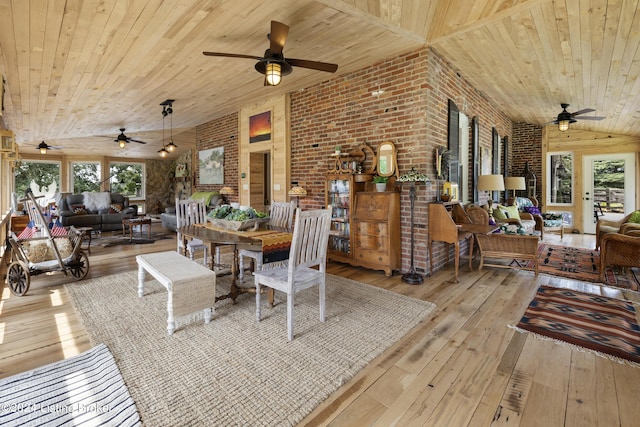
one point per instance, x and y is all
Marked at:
(533, 210)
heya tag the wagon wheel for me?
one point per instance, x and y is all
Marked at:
(80, 267)
(18, 278)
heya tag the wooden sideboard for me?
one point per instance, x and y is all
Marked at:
(376, 231)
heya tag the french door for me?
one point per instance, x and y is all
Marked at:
(608, 187)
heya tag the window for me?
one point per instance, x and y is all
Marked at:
(42, 177)
(560, 178)
(128, 179)
(85, 176)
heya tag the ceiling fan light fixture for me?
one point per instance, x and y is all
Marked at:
(122, 143)
(563, 125)
(43, 147)
(273, 74)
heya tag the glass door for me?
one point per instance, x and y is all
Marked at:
(338, 198)
(609, 188)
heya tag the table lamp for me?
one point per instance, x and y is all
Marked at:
(297, 192)
(490, 183)
(515, 183)
(225, 192)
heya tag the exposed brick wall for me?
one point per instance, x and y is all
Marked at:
(411, 112)
(526, 146)
(221, 132)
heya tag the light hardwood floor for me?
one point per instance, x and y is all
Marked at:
(462, 367)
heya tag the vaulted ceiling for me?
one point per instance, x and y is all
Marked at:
(76, 71)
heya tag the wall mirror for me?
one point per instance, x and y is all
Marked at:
(387, 163)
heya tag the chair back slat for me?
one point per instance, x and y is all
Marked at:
(281, 214)
(310, 240)
(190, 212)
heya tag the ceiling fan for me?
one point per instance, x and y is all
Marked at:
(123, 139)
(565, 118)
(43, 147)
(273, 64)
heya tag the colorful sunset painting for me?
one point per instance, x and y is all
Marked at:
(260, 127)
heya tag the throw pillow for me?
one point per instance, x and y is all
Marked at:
(512, 229)
(115, 208)
(79, 209)
(499, 212)
(533, 210)
(635, 217)
(512, 212)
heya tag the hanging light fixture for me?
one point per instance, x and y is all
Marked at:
(273, 74)
(171, 146)
(43, 147)
(564, 119)
(163, 151)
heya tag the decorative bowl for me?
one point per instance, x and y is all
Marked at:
(250, 224)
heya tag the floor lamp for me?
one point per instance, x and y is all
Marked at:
(412, 277)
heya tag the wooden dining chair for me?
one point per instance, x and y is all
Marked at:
(308, 250)
(280, 216)
(190, 212)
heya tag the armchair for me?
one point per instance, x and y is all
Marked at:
(619, 250)
(626, 224)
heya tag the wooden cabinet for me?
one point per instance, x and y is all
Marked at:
(19, 222)
(376, 231)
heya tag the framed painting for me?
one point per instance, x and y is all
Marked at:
(260, 127)
(211, 166)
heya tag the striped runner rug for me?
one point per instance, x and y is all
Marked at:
(605, 326)
(84, 390)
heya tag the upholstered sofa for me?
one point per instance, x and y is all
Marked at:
(211, 200)
(100, 211)
(512, 214)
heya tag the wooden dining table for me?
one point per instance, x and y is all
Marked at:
(274, 242)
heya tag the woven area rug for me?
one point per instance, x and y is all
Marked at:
(116, 239)
(235, 371)
(84, 390)
(606, 326)
(582, 264)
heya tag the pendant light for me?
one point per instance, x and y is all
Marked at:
(163, 151)
(171, 146)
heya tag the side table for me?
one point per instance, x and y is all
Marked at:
(133, 222)
(88, 231)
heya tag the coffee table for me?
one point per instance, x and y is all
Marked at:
(136, 222)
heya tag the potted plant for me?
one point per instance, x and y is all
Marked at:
(380, 182)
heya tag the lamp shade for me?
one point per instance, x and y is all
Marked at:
(297, 191)
(490, 183)
(515, 183)
(226, 191)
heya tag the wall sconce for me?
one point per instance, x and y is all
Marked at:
(273, 74)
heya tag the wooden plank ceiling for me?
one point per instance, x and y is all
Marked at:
(77, 70)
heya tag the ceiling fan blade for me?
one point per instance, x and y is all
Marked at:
(591, 118)
(313, 65)
(586, 110)
(232, 55)
(278, 37)
(136, 140)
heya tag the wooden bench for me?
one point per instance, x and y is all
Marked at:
(191, 287)
(509, 246)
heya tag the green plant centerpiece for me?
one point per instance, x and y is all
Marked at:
(380, 179)
(231, 218)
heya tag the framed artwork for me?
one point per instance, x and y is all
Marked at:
(211, 166)
(181, 170)
(260, 127)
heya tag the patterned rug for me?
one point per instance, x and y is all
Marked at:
(583, 264)
(606, 326)
(116, 239)
(84, 390)
(235, 371)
